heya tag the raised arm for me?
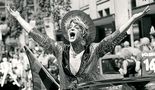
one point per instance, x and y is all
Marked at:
(43, 40)
(108, 43)
(22, 22)
(135, 17)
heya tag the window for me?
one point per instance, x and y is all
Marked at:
(100, 13)
(133, 3)
(107, 11)
(2, 4)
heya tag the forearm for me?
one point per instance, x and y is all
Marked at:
(108, 44)
(24, 24)
(41, 39)
(127, 25)
(49, 45)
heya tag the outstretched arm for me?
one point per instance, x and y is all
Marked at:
(127, 25)
(43, 40)
(17, 16)
(108, 43)
(135, 17)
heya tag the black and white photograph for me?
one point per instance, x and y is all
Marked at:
(77, 44)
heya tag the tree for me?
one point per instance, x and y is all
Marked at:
(46, 8)
(53, 8)
(15, 28)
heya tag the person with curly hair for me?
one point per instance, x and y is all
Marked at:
(78, 60)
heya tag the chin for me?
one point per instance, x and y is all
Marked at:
(72, 40)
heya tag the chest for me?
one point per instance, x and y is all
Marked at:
(75, 61)
(77, 64)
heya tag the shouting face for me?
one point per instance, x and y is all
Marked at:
(74, 32)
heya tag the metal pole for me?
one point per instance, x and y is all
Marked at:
(131, 28)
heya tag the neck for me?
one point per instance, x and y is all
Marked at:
(77, 47)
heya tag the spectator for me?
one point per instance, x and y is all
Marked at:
(126, 44)
(118, 49)
(128, 68)
(77, 32)
(7, 69)
(145, 44)
(53, 67)
(137, 44)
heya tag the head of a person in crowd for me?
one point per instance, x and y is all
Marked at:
(126, 54)
(51, 60)
(145, 41)
(126, 44)
(4, 59)
(38, 50)
(11, 53)
(137, 44)
(118, 49)
(118, 62)
(145, 44)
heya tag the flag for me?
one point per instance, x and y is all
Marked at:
(42, 79)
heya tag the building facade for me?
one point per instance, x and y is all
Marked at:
(104, 14)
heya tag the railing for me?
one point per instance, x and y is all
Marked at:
(114, 83)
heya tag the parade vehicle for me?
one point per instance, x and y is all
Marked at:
(108, 66)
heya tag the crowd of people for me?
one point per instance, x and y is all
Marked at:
(15, 72)
(15, 68)
(131, 62)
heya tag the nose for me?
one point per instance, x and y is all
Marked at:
(72, 29)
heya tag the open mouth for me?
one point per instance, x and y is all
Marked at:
(72, 35)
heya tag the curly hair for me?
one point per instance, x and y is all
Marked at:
(79, 22)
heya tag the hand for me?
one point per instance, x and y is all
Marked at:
(145, 11)
(12, 12)
(121, 71)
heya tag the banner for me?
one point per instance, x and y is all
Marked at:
(42, 79)
(148, 64)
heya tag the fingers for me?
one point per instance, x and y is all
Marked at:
(9, 9)
(147, 9)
